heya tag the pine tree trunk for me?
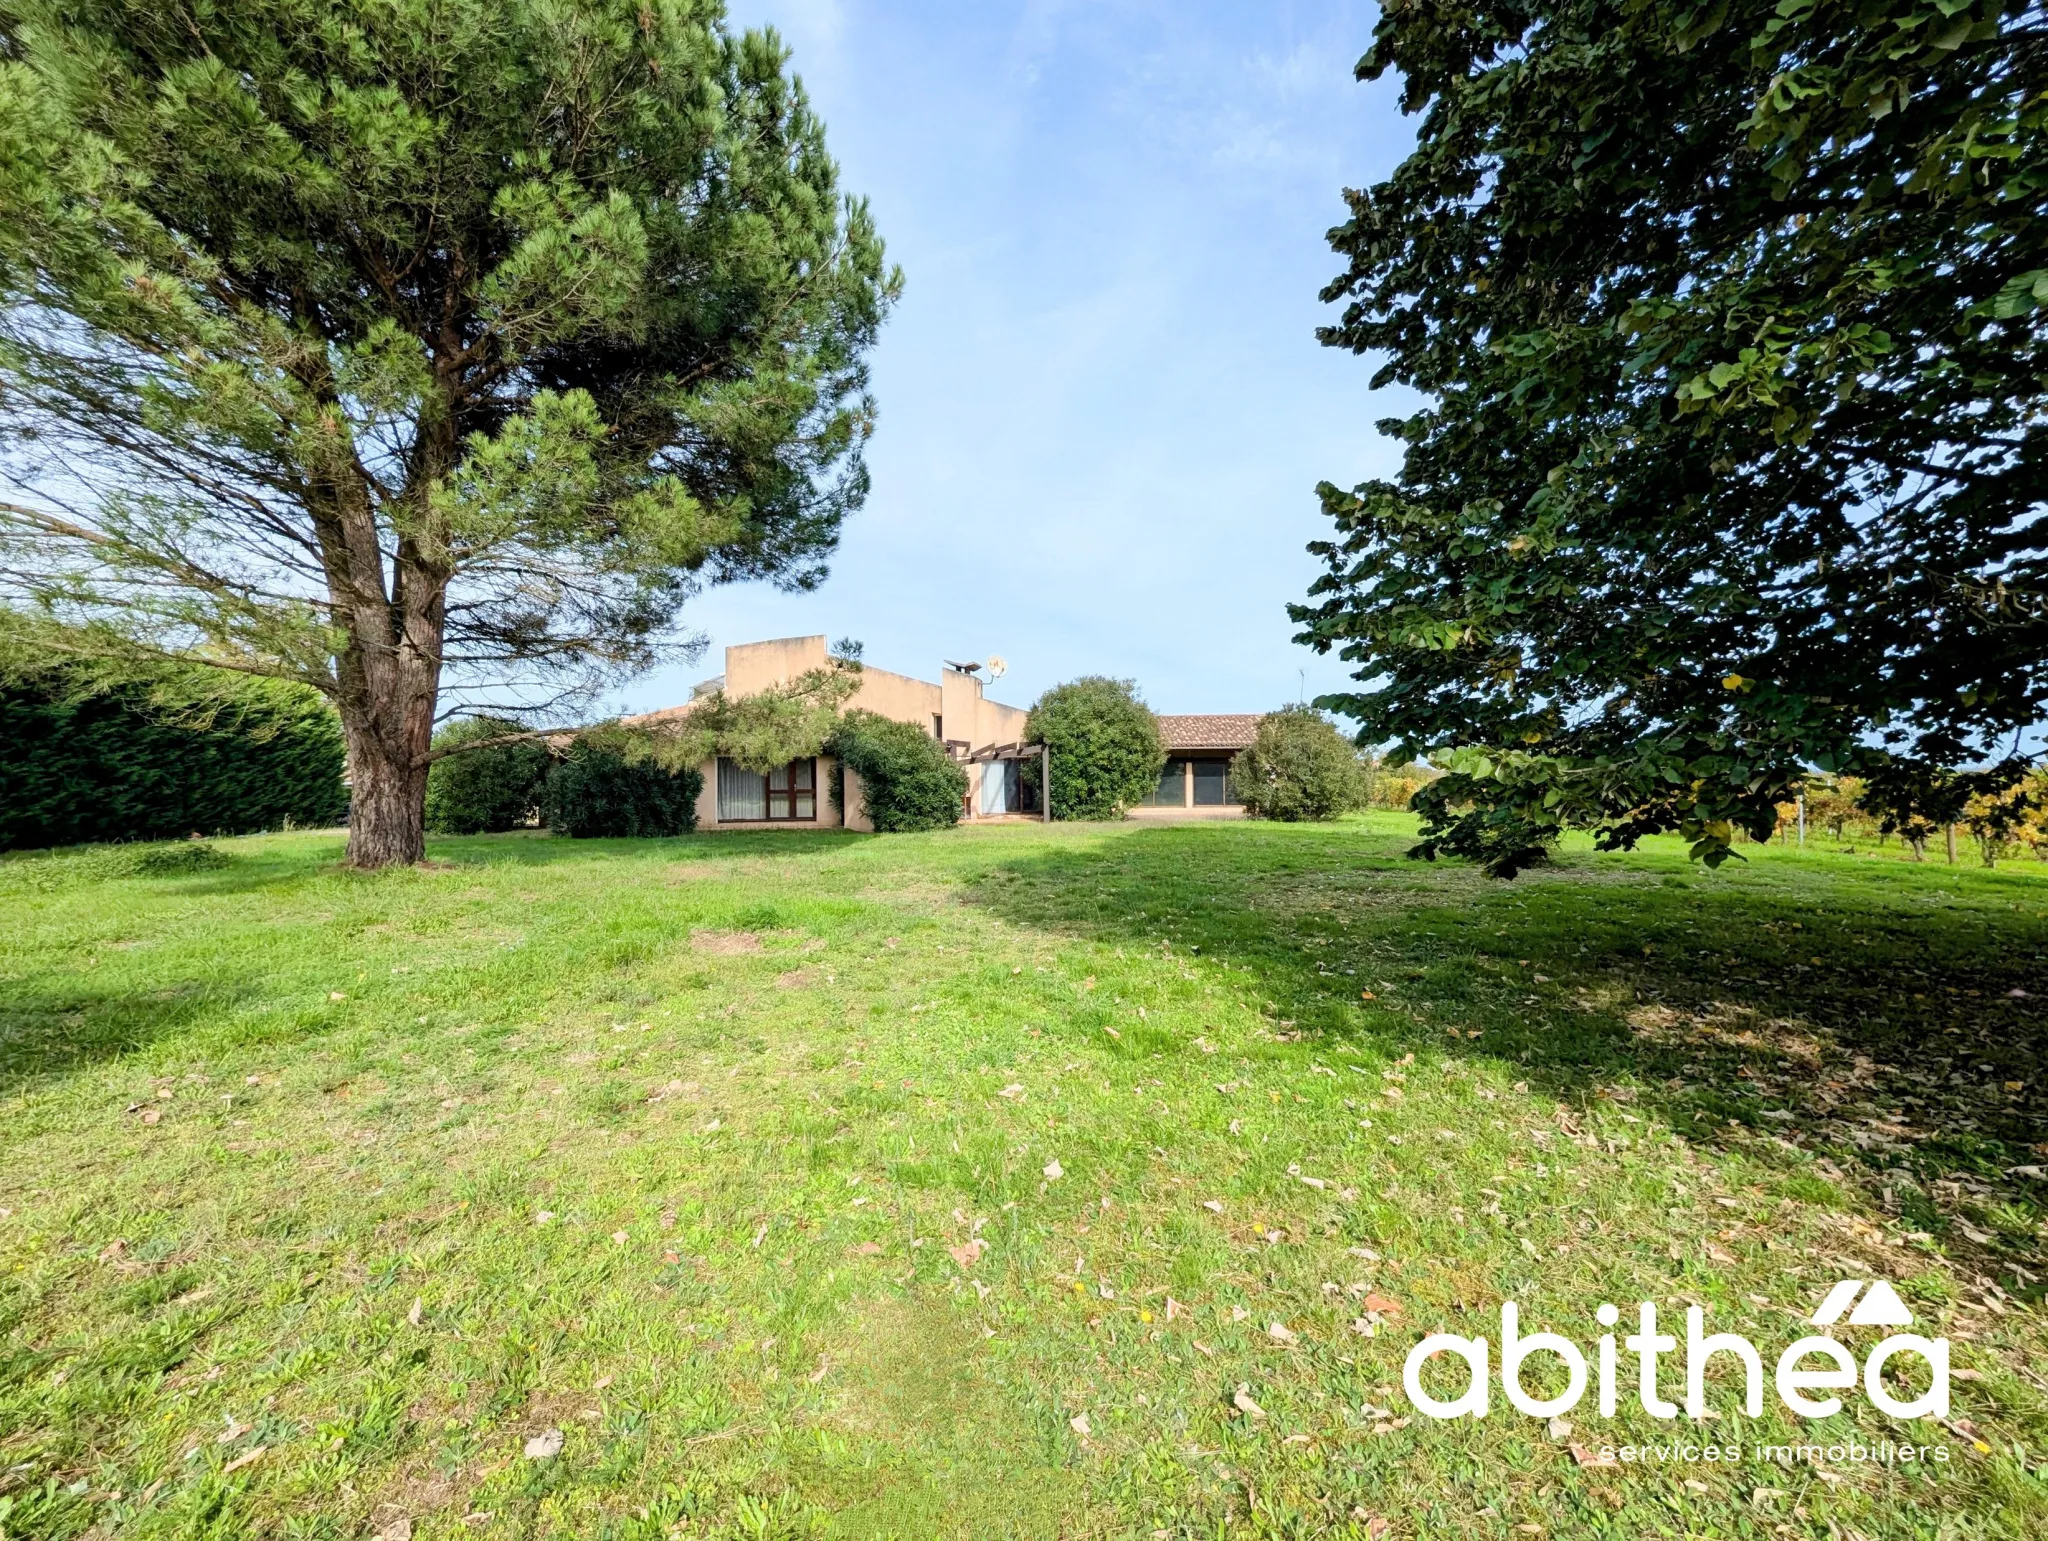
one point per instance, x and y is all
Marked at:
(387, 798)
(388, 672)
(387, 702)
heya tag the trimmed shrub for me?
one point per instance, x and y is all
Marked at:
(595, 790)
(485, 791)
(1299, 766)
(192, 751)
(1106, 750)
(908, 781)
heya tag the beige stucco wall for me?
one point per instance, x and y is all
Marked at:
(856, 804)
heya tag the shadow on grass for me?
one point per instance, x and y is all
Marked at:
(49, 1032)
(1874, 1019)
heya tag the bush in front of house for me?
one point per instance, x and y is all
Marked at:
(597, 789)
(908, 781)
(1106, 749)
(485, 791)
(181, 752)
(1298, 766)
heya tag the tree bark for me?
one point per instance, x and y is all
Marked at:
(389, 672)
(387, 798)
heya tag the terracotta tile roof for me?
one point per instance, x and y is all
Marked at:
(1231, 730)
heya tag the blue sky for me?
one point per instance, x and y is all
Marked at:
(1103, 411)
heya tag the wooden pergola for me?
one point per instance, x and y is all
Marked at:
(993, 753)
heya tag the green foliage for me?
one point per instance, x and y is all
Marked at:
(1393, 783)
(1731, 321)
(483, 791)
(908, 781)
(180, 752)
(1106, 750)
(1299, 767)
(479, 330)
(600, 787)
(1833, 804)
(762, 730)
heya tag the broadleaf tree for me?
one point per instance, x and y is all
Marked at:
(432, 354)
(1731, 323)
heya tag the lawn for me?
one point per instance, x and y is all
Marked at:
(953, 1185)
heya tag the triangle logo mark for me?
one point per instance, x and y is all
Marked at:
(1881, 1307)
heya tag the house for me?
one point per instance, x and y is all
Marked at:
(1196, 778)
(985, 736)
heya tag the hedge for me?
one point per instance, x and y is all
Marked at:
(596, 790)
(485, 791)
(126, 763)
(908, 781)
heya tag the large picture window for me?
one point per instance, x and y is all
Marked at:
(1172, 789)
(1212, 784)
(787, 794)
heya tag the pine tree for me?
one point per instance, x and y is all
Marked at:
(431, 354)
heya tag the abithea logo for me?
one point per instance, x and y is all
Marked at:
(1814, 1363)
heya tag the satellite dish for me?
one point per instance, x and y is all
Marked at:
(997, 667)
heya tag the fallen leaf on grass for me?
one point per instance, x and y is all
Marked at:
(1375, 1301)
(1279, 1333)
(1054, 1171)
(247, 1458)
(234, 1431)
(1720, 1254)
(968, 1253)
(1241, 1399)
(1079, 1424)
(1586, 1457)
(418, 1305)
(1013, 1091)
(545, 1445)
(1376, 1525)
(868, 1249)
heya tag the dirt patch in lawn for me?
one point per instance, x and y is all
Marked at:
(725, 943)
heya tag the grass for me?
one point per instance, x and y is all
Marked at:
(322, 1195)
